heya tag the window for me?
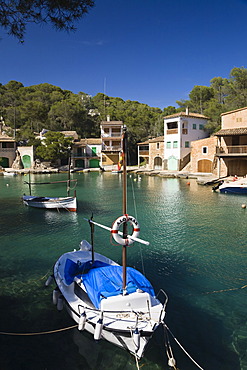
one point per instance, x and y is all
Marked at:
(157, 145)
(168, 145)
(172, 125)
(8, 145)
(204, 149)
(175, 144)
(194, 126)
(201, 127)
(187, 144)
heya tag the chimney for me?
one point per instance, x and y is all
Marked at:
(187, 111)
(108, 118)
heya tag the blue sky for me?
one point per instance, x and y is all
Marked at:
(151, 51)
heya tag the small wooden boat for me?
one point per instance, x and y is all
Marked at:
(67, 203)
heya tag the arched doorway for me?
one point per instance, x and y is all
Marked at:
(158, 163)
(26, 161)
(4, 162)
(204, 165)
(172, 163)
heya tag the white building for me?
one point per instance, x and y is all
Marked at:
(179, 130)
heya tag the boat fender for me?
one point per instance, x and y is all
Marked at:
(49, 280)
(60, 303)
(82, 321)
(136, 339)
(116, 226)
(55, 295)
(98, 328)
(172, 362)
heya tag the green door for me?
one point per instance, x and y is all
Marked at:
(80, 163)
(172, 163)
(94, 152)
(4, 162)
(94, 163)
(26, 161)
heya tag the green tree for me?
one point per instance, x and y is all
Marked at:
(54, 146)
(199, 97)
(61, 14)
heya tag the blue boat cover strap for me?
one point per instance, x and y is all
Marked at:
(103, 280)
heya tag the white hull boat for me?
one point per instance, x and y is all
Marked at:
(95, 300)
(113, 302)
(67, 203)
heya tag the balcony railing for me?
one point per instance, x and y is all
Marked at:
(143, 152)
(172, 131)
(8, 150)
(113, 134)
(111, 147)
(84, 155)
(231, 150)
(185, 131)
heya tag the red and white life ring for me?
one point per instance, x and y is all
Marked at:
(116, 226)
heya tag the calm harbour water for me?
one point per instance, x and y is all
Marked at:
(197, 254)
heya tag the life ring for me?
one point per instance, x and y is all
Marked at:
(116, 226)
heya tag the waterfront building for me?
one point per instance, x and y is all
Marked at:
(86, 153)
(180, 129)
(111, 136)
(226, 151)
(151, 152)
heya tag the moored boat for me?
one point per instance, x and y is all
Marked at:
(113, 302)
(238, 186)
(68, 203)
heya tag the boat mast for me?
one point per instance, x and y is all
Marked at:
(125, 231)
(68, 182)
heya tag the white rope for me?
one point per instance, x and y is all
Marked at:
(137, 363)
(180, 345)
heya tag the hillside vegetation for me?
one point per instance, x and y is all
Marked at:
(27, 110)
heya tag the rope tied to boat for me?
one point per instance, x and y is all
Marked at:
(39, 333)
(171, 359)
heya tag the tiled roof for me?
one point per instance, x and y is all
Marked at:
(153, 140)
(232, 131)
(184, 114)
(112, 122)
(6, 138)
(233, 111)
(91, 141)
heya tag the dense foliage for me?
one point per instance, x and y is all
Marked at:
(61, 14)
(27, 110)
(223, 95)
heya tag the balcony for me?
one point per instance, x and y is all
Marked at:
(112, 134)
(9, 150)
(185, 131)
(231, 151)
(172, 131)
(111, 148)
(143, 152)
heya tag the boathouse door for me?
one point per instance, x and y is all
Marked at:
(172, 163)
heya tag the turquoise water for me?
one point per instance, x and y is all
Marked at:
(197, 254)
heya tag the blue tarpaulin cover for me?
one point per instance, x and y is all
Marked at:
(102, 280)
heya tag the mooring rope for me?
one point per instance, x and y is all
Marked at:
(39, 333)
(183, 349)
(226, 290)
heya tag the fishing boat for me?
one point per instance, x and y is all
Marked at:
(111, 301)
(237, 186)
(68, 203)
